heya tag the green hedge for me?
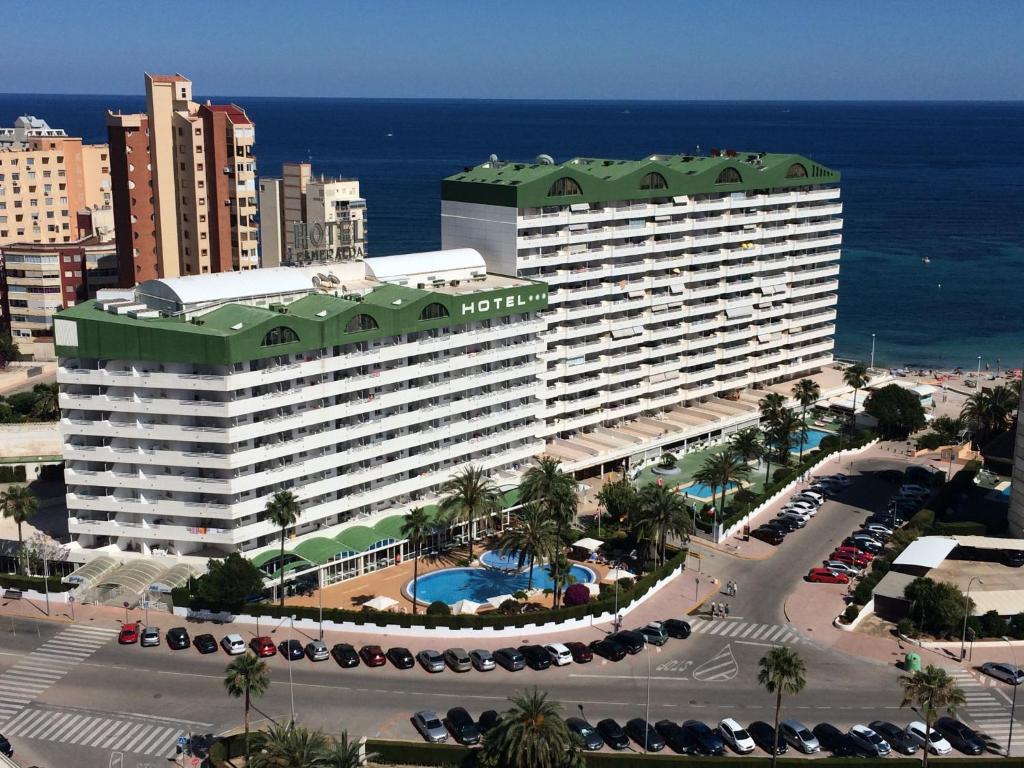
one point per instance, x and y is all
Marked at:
(961, 528)
(415, 753)
(15, 581)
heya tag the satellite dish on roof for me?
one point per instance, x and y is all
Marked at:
(545, 160)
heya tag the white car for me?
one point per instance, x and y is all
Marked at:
(933, 742)
(839, 567)
(813, 496)
(804, 511)
(795, 501)
(560, 655)
(735, 736)
(233, 644)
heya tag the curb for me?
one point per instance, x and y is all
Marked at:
(700, 604)
(717, 548)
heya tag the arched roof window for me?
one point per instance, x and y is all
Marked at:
(280, 335)
(729, 176)
(653, 180)
(361, 322)
(796, 171)
(433, 311)
(565, 186)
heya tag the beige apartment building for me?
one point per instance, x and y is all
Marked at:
(184, 185)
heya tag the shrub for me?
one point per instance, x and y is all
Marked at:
(993, 625)
(1017, 626)
(576, 594)
(782, 475)
(667, 461)
(439, 608)
(929, 441)
(509, 607)
(906, 627)
(851, 613)
(625, 582)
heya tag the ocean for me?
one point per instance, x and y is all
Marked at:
(942, 181)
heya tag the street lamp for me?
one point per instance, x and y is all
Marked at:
(967, 600)
(871, 367)
(647, 715)
(979, 367)
(1013, 703)
(291, 684)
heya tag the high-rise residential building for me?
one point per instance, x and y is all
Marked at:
(46, 178)
(361, 389)
(184, 183)
(309, 220)
(676, 280)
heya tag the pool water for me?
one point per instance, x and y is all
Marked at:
(814, 438)
(702, 491)
(479, 584)
(492, 558)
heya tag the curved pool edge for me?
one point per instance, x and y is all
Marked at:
(406, 590)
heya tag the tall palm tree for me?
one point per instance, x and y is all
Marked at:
(747, 443)
(706, 475)
(287, 745)
(561, 573)
(787, 426)
(532, 734)
(20, 505)
(856, 376)
(417, 528)
(990, 412)
(469, 494)
(728, 468)
(546, 484)
(780, 671)
(807, 393)
(931, 691)
(283, 511)
(246, 677)
(343, 753)
(771, 405)
(662, 514)
(531, 533)
(46, 407)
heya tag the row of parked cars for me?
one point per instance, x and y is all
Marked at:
(801, 508)
(614, 647)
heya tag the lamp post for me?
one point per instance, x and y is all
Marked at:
(979, 367)
(291, 684)
(1013, 702)
(872, 365)
(967, 600)
(647, 715)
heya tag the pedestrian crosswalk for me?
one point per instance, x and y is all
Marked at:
(129, 735)
(737, 629)
(989, 712)
(26, 680)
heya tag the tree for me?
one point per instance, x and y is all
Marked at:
(807, 393)
(546, 484)
(20, 505)
(46, 406)
(532, 734)
(727, 468)
(947, 429)
(417, 528)
(856, 376)
(937, 606)
(531, 533)
(780, 671)
(246, 677)
(343, 753)
(989, 412)
(706, 475)
(228, 583)
(898, 411)
(619, 499)
(772, 405)
(283, 511)
(469, 495)
(560, 570)
(8, 350)
(662, 514)
(787, 426)
(439, 608)
(930, 692)
(576, 594)
(747, 443)
(287, 745)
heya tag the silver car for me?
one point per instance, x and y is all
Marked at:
(431, 660)
(799, 736)
(430, 726)
(482, 660)
(839, 567)
(458, 660)
(317, 651)
(150, 636)
(1008, 673)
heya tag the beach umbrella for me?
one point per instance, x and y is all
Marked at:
(464, 607)
(380, 603)
(497, 600)
(618, 573)
(593, 588)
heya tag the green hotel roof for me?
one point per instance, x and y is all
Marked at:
(526, 185)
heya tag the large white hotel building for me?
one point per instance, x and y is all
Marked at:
(596, 310)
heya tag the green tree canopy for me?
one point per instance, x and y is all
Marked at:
(228, 583)
(937, 606)
(897, 409)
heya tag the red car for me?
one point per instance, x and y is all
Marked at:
(372, 655)
(580, 653)
(262, 646)
(129, 634)
(851, 559)
(825, 576)
(856, 552)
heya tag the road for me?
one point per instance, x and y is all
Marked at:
(74, 697)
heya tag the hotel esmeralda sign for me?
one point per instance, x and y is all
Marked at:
(323, 241)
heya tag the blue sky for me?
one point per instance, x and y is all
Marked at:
(781, 49)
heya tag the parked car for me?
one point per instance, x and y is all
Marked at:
(633, 642)
(207, 643)
(581, 654)
(430, 726)
(463, 727)
(653, 634)
(796, 519)
(178, 639)
(345, 655)
(865, 544)
(1008, 673)
(763, 735)
(796, 502)
(799, 736)
(262, 646)
(612, 733)
(835, 741)
(676, 628)
(150, 636)
(292, 649)
(837, 566)
(960, 735)
(784, 525)
(607, 648)
(458, 660)
(644, 735)
(896, 736)
(536, 657)
(488, 719)
(768, 535)
(825, 576)
(431, 660)
(510, 658)
(708, 742)
(735, 736)
(1013, 558)
(812, 496)
(676, 738)
(934, 742)
(859, 554)
(560, 655)
(587, 733)
(129, 634)
(401, 657)
(482, 660)
(877, 529)
(234, 645)
(373, 655)
(5, 747)
(912, 489)
(869, 741)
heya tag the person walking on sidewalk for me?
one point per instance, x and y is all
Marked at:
(735, 588)
(726, 610)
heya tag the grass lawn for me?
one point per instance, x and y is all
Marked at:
(690, 463)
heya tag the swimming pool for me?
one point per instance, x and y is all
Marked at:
(702, 491)
(492, 558)
(479, 584)
(814, 438)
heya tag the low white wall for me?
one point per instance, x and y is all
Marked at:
(866, 610)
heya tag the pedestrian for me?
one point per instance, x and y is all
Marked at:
(735, 588)
(727, 610)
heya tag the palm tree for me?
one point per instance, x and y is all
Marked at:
(283, 510)
(546, 484)
(561, 573)
(20, 505)
(286, 745)
(531, 533)
(990, 412)
(727, 467)
(532, 734)
(343, 753)
(780, 671)
(46, 406)
(931, 691)
(807, 393)
(662, 514)
(469, 495)
(856, 376)
(246, 676)
(747, 443)
(771, 405)
(787, 425)
(417, 528)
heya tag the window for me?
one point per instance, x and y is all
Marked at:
(729, 176)
(565, 186)
(433, 311)
(280, 335)
(653, 181)
(796, 171)
(361, 322)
